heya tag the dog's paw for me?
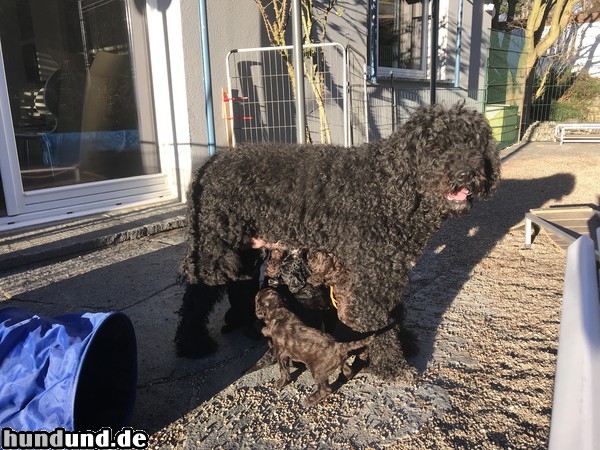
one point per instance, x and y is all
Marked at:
(314, 398)
(283, 381)
(323, 390)
(268, 359)
(348, 372)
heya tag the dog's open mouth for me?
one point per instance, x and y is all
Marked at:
(460, 196)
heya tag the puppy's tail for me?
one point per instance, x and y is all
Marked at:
(355, 345)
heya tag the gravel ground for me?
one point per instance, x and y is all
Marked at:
(487, 312)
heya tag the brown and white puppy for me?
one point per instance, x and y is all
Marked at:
(292, 340)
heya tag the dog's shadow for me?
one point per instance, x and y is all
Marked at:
(461, 244)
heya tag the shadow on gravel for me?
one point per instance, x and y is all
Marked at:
(145, 288)
(462, 243)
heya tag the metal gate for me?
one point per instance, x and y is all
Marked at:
(259, 103)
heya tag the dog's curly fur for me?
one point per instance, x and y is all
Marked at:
(292, 340)
(374, 207)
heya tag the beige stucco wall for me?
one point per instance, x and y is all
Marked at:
(231, 24)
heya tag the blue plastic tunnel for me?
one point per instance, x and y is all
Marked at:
(75, 371)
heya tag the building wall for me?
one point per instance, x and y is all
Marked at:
(231, 24)
(475, 36)
(579, 45)
(238, 24)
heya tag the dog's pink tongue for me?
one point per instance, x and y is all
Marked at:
(459, 196)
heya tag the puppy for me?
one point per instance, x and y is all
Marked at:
(292, 340)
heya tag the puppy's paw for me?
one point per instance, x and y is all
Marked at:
(314, 398)
(283, 381)
(323, 390)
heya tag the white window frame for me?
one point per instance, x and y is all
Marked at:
(28, 208)
(417, 74)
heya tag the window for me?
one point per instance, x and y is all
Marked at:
(77, 128)
(74, 92)
(400, 43)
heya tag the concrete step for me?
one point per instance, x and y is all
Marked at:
(60, 239)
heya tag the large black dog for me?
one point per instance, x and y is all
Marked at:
(372, 209)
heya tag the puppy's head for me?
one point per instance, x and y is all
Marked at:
(325, 268)
(268, 302)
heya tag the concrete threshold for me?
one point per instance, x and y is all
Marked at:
(60, 239)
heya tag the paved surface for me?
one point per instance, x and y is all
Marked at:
(58, 239)
(133, 268)
(123, 261)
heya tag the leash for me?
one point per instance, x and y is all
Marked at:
(332, 298)
(377, 332)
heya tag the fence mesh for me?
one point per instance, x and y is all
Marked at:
(341, 109)
(504, 87)
(260, 105)
(553, 92)
(390, 106)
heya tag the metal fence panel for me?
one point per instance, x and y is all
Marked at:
(260, 98)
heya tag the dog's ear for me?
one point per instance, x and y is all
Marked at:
(492, 162)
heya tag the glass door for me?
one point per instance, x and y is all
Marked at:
(76, 108)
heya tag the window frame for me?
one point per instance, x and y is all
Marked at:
(40, 205)
(377, 71)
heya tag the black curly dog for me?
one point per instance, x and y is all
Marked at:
(373, 207)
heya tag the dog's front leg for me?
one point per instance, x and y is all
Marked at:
(268, 359)
(284, 368)
(192, 338)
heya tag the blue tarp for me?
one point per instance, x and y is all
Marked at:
(76, 371)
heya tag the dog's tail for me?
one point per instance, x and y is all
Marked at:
(189, 267)
(355, 345)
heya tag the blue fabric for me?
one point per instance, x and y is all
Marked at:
(63, 149)
(40, 362)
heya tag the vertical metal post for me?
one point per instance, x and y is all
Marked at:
(435, 22)
(208, 100)
(394, 106)
(458, 44)
(299, 71)
(373, 60)
(346, 95)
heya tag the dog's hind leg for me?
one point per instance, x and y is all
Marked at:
(322, 391)
(241, 313)
(386, 357)
(192, 338)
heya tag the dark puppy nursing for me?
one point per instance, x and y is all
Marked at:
(292, 340)
(369, 211)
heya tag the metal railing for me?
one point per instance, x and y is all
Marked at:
(576, 403)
